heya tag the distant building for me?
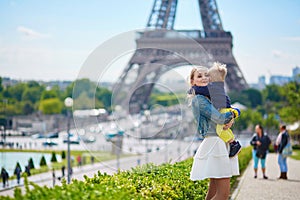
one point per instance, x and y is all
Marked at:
(296, 74)
(261, 82)
(277, 79)
(280, 80)
(260, 85)
(8, 82)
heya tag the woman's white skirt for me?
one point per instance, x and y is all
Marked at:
(212, 161)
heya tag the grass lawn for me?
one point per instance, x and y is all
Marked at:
(296, 154)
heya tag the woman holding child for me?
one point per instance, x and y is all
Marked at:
(212, 157)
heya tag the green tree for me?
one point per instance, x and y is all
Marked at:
(68, 91)
(243, 121)
(84, 85)
(240, 97)
(32, 94)
(83, 101)
(273, 93)
(51, 106)
(290, 111)
(53, 157)
(43, 161)
(33, 84)
(256, 118)
(49, 94)
(104, 95)
(63, 155)
(254, 96)
(30, 163)
(10, 107)
(15, 91)
(28, 108)
(271, 123)
(1, 86)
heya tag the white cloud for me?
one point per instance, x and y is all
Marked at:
(277, 54)
(31, 33)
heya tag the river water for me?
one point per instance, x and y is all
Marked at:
(8, 160)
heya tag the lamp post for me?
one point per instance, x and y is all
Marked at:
(69, 103)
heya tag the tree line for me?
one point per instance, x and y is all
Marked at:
(26, 98)
(273, 105)
(269, 107)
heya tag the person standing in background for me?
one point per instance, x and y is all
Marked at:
(281, 142)
(53, 177)
(260, 142)
(18, 173)
(7, 178)
(63, 171)
(4, 176)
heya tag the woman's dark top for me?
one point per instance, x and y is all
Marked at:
(284, 141)
(264, 140)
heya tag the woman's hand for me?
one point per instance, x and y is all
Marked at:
(228, 125)
(258, 142)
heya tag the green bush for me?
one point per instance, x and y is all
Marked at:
(30, 163)
(296, 146)
(53, 157)
(63, 155)
(43, 161)
(167, 181)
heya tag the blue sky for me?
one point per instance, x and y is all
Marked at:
(50, 40)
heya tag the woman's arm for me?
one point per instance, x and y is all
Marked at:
(253, 141)
(201, 105)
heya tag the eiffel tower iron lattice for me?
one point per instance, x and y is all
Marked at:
(160, 48)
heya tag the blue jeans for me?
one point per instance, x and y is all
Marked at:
(282, 163)
(256, 159)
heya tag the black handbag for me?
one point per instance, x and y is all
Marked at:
(261, 154)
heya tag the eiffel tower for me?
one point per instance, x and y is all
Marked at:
(160, 48)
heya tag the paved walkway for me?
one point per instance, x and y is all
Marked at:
(272, 188)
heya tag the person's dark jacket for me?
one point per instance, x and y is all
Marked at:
(265, 143)
(284, 141)
(218, 96)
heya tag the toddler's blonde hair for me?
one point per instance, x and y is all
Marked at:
(218, 72)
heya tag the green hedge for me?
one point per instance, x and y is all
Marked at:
(167, 181)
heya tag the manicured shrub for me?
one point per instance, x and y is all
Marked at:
(167, 181)
(30, 163)
(63, 155)
(53, 157)
(43, 161)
